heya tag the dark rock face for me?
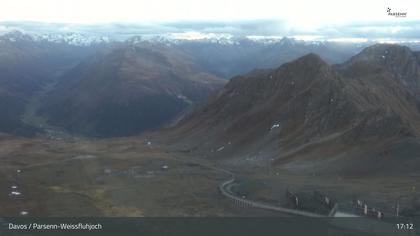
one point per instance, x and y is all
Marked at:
(307, 105)
(127, 90)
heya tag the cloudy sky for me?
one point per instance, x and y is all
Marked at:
(332, 18)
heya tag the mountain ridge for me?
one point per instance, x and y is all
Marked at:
(301, 108)
(137, 87)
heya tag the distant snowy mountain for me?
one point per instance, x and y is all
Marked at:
(72, 38)
(66, 38)
(88, 38)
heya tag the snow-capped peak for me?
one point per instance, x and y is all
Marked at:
(66, 38)
(73, 39)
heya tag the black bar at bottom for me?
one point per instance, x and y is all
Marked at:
(205, 226)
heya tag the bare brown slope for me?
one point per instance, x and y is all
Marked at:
(304, 110)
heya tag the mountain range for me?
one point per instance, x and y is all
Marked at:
(95, 86)
(359, 116)
(104, 88)
(126, 90)
(26, 66)
(242, 55)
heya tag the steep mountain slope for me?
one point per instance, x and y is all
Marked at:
(306, 111)
(127, 89)
(26, 65)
